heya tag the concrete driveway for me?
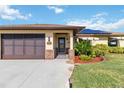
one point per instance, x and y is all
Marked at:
(34, 73)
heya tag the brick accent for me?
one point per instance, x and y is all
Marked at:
(71, 54)
(49, 54)
(55, 53)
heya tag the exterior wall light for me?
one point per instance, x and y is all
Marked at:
(49, 41)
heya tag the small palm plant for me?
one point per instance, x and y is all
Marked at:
(83, 47)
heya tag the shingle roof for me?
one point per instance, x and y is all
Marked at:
(39, 26)
(91, 31)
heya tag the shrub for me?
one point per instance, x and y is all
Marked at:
(85, 57)
(97, 52)
(118, 50)
(102, 47)
(83, 47)
(78, 48)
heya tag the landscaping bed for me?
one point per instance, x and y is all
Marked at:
(77, 60)
(86, 53)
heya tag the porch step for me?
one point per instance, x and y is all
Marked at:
(62, 56)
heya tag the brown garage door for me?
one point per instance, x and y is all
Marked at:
(23, 46)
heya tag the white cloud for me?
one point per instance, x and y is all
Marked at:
(57, 9)
(102, 14)
(9, 13)
(99, 22)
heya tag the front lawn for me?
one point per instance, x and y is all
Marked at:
(107, 74)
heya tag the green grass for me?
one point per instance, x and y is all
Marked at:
(106, 74)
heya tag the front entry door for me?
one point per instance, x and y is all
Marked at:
(61, 44)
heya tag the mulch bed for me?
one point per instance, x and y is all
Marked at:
(93, 60)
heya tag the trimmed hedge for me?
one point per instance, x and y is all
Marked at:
(107, 49)
(99, 50)
(118, 50)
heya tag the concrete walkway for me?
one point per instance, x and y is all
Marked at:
(34, 73)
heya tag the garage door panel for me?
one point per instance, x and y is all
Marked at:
(39, 50)
(29, 50)
(8, 36)
(8, 42)
(18, 36)
(29, 42)
(40, 42)
(18, 50)
(8, 50)
(18, 42)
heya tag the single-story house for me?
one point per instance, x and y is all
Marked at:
(37, 41)
(47, 41)
(102, 37)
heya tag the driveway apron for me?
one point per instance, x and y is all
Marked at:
(35, 73)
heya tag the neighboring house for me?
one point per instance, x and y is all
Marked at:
(102, 37)
(37, 41)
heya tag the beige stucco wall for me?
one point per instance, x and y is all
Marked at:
(89, 38)
(121, 43)
(94, 42)
(49, 46)
(71, 41)
(117, 37)
(97, 40)
(48, 33)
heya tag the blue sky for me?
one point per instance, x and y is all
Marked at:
(109, 18)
